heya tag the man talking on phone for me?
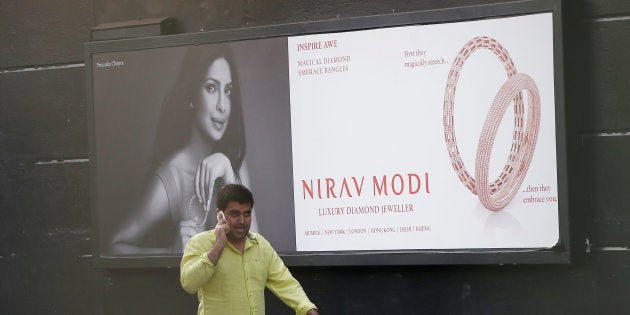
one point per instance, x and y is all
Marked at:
(229, 267)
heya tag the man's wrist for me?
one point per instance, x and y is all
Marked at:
(215, 251)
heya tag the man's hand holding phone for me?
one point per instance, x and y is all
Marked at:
(223, 226)
(221, 230)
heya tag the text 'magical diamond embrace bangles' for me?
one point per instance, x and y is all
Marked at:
(496, 195)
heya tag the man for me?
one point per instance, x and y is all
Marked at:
(229, 267)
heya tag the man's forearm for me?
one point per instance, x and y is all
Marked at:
(197, 266)
(215, 252)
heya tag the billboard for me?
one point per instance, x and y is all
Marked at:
(416, 138)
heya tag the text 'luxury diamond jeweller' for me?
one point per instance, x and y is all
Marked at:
(496, 195)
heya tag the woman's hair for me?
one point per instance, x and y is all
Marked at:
(176, 118)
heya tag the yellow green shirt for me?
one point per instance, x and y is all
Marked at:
(236, 285)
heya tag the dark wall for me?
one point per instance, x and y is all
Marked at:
(45, 225)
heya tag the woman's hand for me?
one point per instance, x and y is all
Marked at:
(209, 169)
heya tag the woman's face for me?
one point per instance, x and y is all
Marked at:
(214, 104)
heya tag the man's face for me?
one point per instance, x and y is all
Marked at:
(239, 217)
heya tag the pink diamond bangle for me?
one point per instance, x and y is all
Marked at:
(496, 195)
(496, 198)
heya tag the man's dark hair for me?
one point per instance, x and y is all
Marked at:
(234, 192)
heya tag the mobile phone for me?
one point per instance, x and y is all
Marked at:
(220, 216)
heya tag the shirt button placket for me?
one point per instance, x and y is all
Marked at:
(250, 296)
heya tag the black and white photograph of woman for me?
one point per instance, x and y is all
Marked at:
(200, 145)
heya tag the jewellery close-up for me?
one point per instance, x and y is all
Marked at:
(497, 194)
(200, 225)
